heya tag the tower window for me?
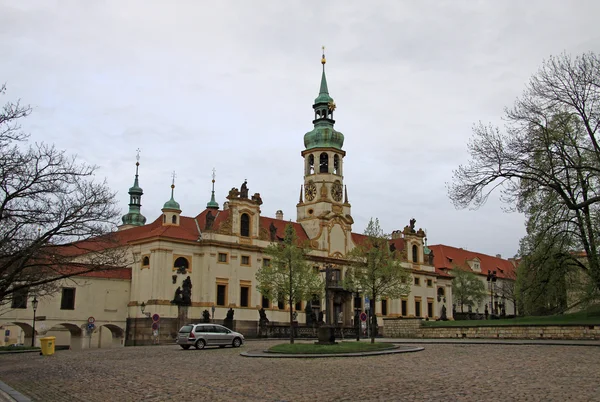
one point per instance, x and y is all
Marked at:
(311, 164)
(146, 261)
(174, 219)
(336, 164)
(164, 218)
(414, 253)
(245, 225)
(324, 163)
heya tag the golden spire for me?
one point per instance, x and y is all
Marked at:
(323, 61)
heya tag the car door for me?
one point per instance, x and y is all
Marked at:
(204, 332)
(224, 334)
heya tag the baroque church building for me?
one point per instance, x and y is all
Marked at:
(183, 265)
(220, 250)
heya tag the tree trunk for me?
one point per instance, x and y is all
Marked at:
(373, 318)
(291, 320)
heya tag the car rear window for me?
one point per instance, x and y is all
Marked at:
(186, 328)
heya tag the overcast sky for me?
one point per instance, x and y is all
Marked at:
(230, 85)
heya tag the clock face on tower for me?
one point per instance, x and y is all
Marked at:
(336, 191)
(310, 191)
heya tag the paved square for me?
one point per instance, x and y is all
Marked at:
(440, 372)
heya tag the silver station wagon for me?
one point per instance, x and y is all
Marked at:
(201, 335)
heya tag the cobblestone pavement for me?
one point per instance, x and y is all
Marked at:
(440, 372)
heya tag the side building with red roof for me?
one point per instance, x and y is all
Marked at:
(497, 274)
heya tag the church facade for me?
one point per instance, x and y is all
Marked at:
(183, 266)
(219, 251)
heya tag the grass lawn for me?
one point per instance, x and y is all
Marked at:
(587, 317)
(342, 347)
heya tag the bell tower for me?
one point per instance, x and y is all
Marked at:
(323, 200)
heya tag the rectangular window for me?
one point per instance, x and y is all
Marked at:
(316, 301)
(223, 257)
(358, 303)
(298, 306)
(244, 296)
(67, 302)
(384, 307)
(430, 309)
(265, 302)
(281, 305)
(417, 308)
(221, 295)
(429, 283)
(266, 262)
(417, 281)
(19, 298)
(404, 308)
(246, 260)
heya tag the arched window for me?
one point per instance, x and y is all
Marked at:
(174, 219)
(181, 264)
(164, 218)
(415, 249)
(311, 164)
(324, 163)
(245, 225)
(146, 261)
(336, 164)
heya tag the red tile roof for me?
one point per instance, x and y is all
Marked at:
(280, 224)
(446, 258)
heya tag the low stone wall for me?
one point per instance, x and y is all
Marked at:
(412, 328)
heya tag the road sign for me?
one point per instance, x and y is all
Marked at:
(155, 317)
(91, 320)
(154, 326)
(363, 317)
(91, 326)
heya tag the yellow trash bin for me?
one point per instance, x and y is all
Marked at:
(48, 345)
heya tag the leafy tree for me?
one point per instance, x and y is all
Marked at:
(375, 269)
(546, 160)
(54, 218)
(288, 277)
(467, 288)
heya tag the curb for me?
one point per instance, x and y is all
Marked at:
(270, 355)
(10, 394)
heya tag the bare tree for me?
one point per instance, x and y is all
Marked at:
(376, 270)
(55, 220)
(548, 156)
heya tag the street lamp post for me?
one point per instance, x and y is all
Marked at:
(34, 303)
(491, 280)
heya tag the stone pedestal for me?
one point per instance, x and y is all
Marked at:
(326, 335)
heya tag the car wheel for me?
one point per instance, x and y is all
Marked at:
(186, 347)
(200, 344)
(237, 342)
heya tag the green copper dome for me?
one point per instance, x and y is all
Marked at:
(134, 216)
(172, 204)
(323, 136)
(323, 91)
